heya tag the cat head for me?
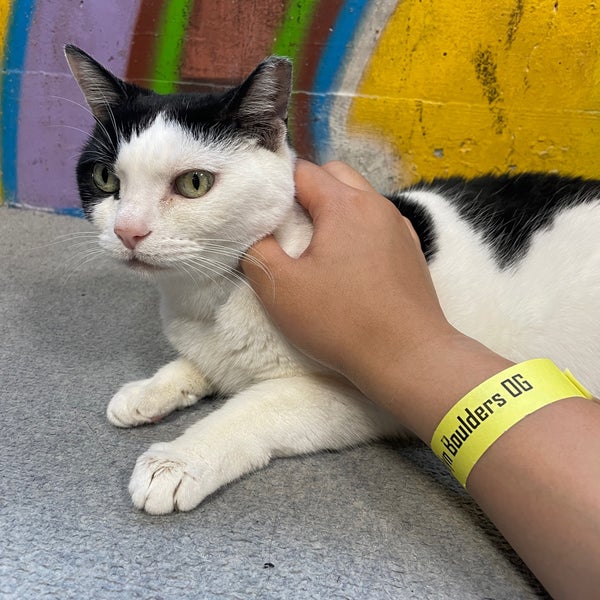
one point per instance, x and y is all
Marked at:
(171, 179)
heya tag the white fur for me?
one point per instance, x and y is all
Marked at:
(547, 305)
(281, 403)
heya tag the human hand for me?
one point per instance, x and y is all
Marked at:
(361, 288)
(363, 265)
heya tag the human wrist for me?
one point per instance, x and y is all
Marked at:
(420, 386)
(453, 368)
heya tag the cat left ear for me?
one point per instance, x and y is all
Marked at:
(260, 103)
(99, 86)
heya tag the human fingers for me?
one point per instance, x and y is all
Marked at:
(316, 189)
(261, 261)
(413, 233)
(346, 174)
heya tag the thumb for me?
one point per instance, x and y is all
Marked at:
(259, 264)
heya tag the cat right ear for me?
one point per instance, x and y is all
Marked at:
(99, 86)
(260, 103)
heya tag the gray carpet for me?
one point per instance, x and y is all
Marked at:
(383, 521)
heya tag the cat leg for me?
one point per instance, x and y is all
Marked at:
(278, 417)
(176, 385)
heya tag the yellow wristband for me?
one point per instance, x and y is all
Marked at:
(473, 424)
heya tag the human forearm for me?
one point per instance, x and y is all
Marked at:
(540, 485)
(539, 482)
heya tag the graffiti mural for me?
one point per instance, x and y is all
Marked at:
(401, 89)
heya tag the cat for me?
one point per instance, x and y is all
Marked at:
(180, 186)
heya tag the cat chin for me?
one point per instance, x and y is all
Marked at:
(143, 268)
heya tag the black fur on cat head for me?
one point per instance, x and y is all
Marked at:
(255, 110)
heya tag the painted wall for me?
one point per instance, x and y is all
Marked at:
(402, 89)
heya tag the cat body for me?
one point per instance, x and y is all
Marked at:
(515, 262)
(181, 186)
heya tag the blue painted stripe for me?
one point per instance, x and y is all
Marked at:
(71, 212)
(14, 62)
(329, 68)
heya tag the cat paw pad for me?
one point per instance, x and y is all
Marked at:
(166, 480)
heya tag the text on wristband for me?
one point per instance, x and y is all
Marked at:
(472, 418)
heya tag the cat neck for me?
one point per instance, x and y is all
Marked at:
(190, 297)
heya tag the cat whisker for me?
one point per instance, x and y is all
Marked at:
(225, 252)
(65, 126)
(90, 233)
(205, 269)
(111, 117)
(192, 271)
(83, 260)
(262, 266)
(227, 273)
(83, 107)
(220, 240)
(80, 237)
(73, 260)
(110, 148)
(105, 143)
(218, 244)
(220, 269)
(209, 246)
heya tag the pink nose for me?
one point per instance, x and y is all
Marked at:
(131, 237)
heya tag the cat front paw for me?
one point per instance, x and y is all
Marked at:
(176, 385)
(132, 406)
(140, 402)
(166, 479)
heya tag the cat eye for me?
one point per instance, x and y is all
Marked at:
(104, 178)
(194, 184)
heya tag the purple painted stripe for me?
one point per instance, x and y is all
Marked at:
(47, 144)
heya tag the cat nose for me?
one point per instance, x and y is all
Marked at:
(130, 237)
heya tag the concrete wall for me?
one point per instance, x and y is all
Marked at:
(402, 89)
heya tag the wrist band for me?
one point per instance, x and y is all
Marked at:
(473, 424)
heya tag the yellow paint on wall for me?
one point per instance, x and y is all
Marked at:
(470, 87)
(4, 14)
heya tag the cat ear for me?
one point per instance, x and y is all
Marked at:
(260, 103)
(99, 86)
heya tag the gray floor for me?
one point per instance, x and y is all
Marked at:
(383, 521)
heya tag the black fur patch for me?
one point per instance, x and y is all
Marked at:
(421, 221)
(508, 209)
(200, 114)
(255, 110)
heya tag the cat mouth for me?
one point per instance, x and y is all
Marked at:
(139, 265)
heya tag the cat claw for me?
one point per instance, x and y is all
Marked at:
(165, 480)
(128, 406)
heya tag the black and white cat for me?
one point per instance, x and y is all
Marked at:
(181, 185)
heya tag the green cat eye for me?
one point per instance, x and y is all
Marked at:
(104, 178)
(194, 184)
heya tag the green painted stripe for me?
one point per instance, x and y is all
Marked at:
(169, 49)
(295, 24)
(290, 40)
